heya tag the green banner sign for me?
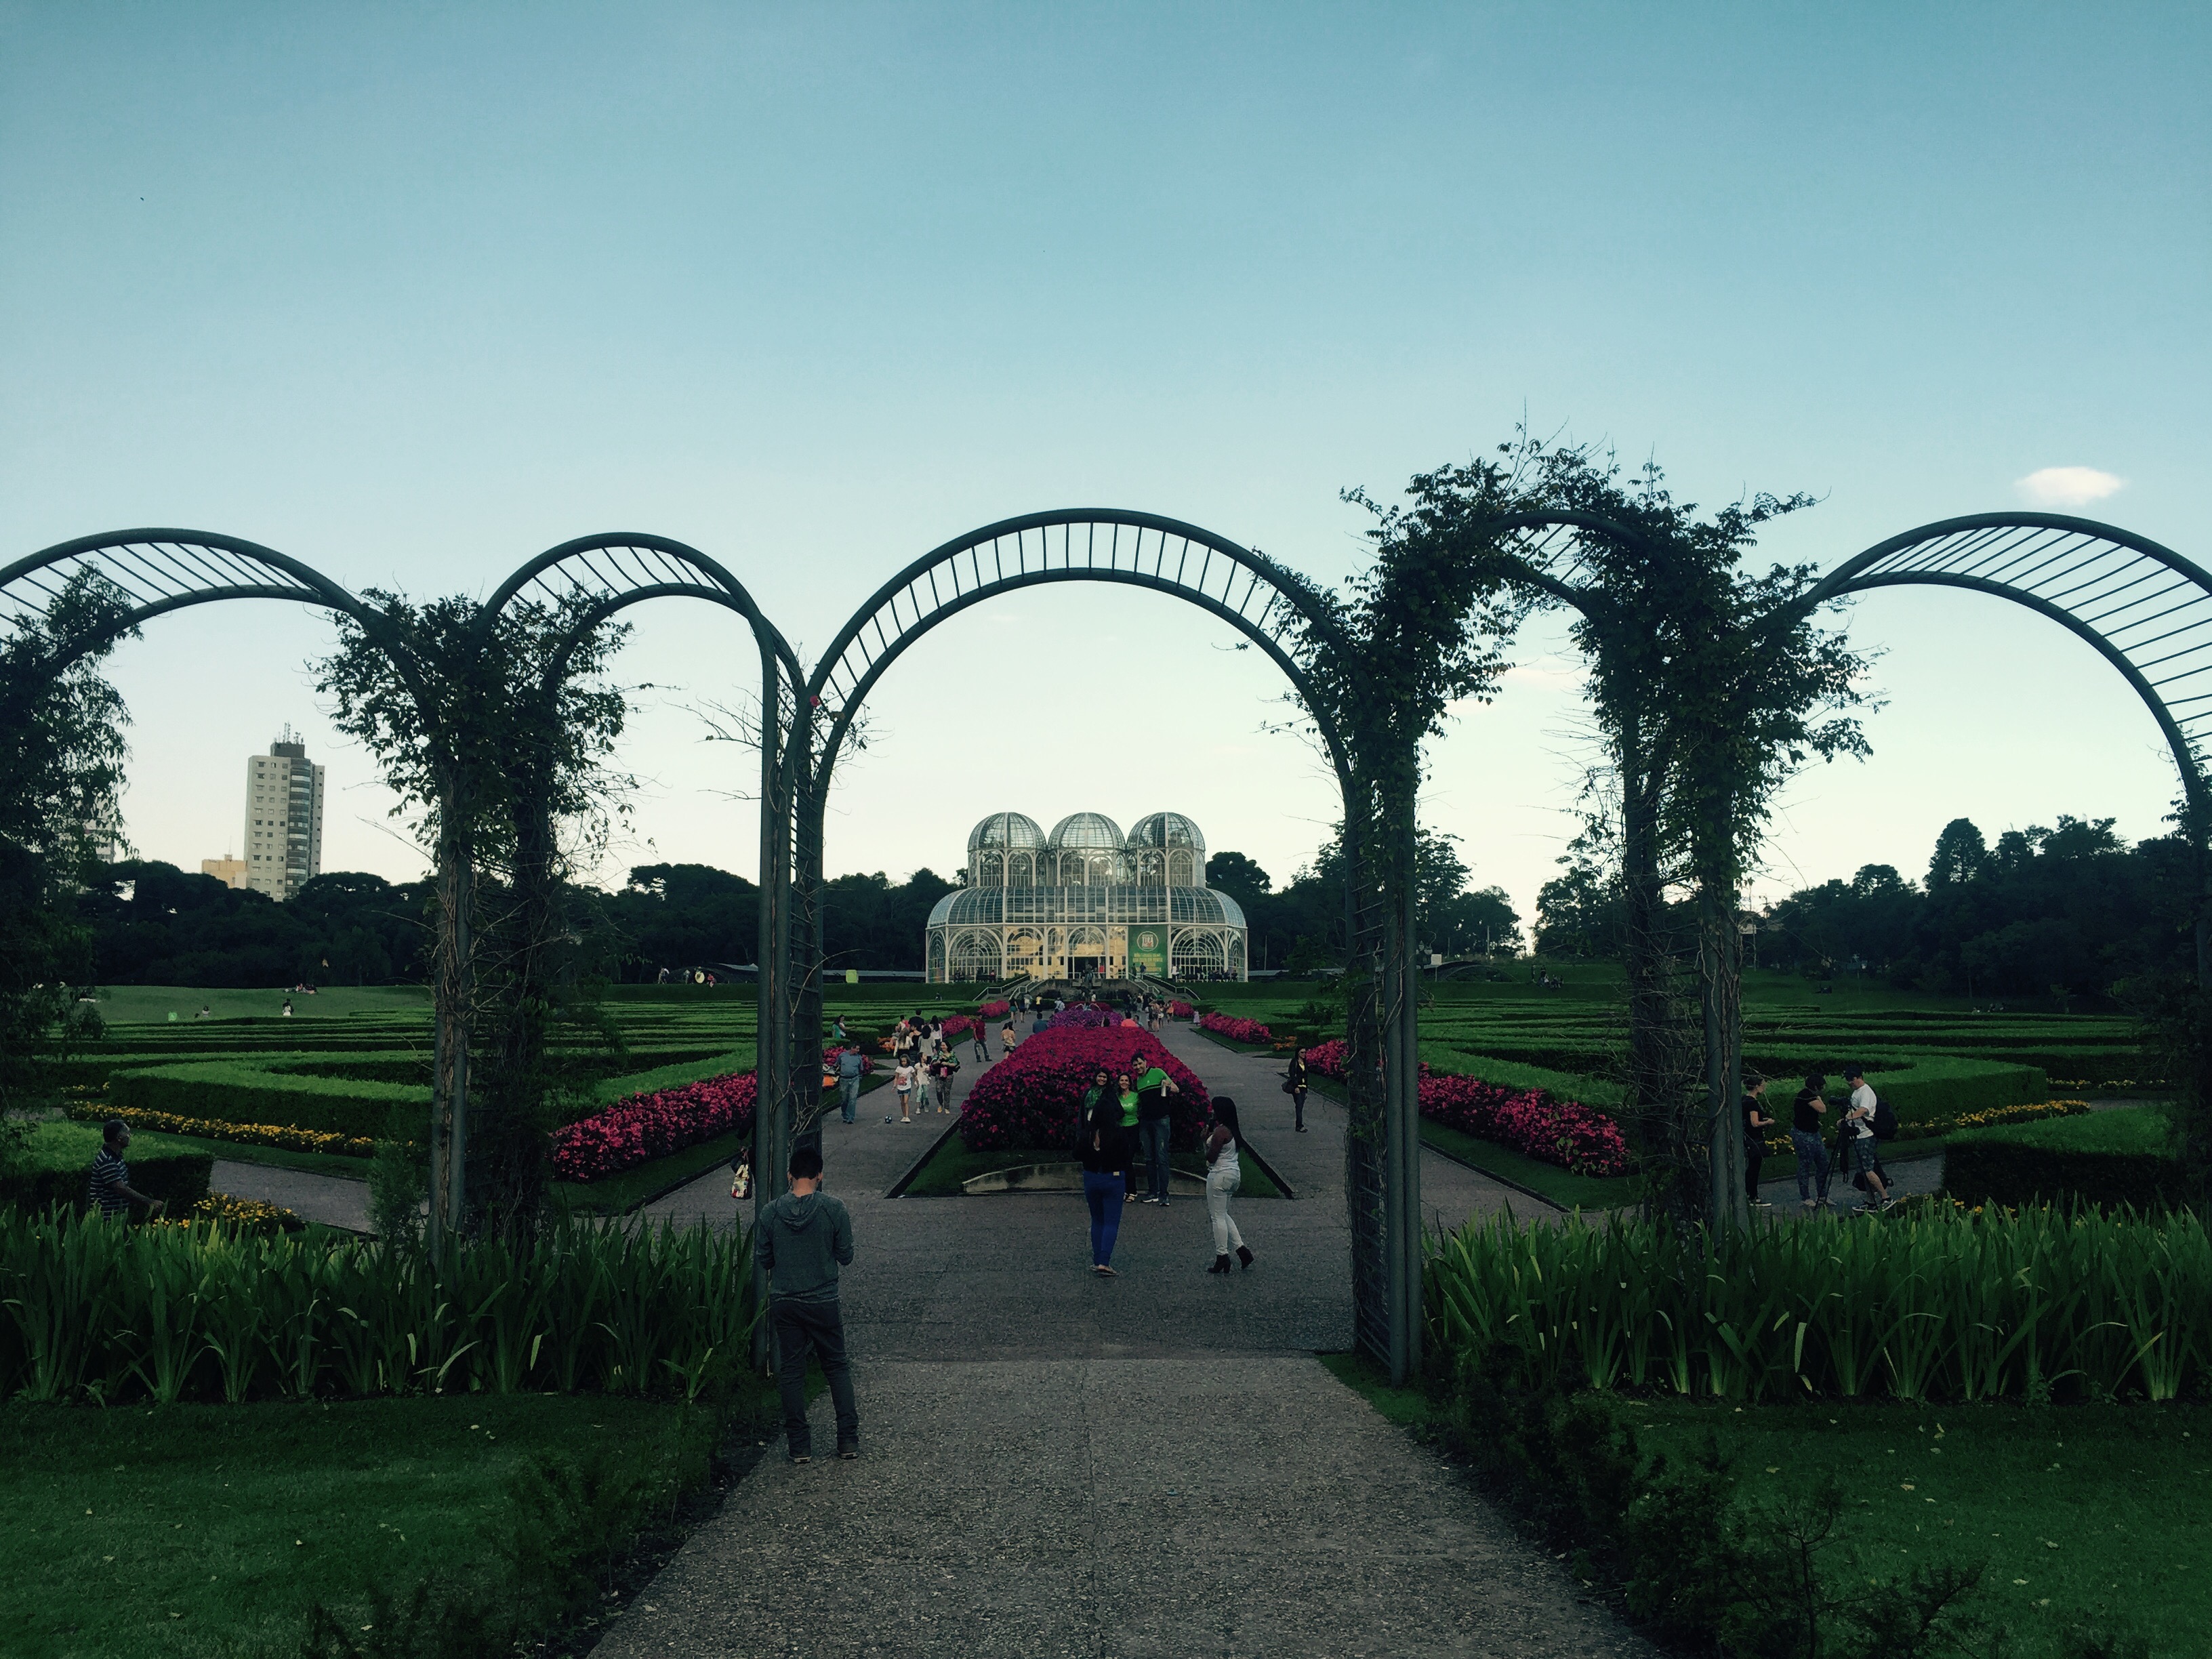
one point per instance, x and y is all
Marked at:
(1148, 950)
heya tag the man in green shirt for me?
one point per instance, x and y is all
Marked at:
(1154, 1086)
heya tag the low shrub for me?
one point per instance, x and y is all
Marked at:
(995, 1010)
(251, 1215)
(58, 1161)
(1082, 1018)
(1530, 1122)
(1234, 1029)
(2122, 1157)
(649, 1126)
(1032, 1096)
(102, 1313)
(232, 1091)
(1181, 1010)
(245, 1134)
(1944, 1304)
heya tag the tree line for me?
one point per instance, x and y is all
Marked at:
(2071, 914)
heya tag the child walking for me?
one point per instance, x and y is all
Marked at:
(902, 1080)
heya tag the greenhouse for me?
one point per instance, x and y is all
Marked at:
(1085, 900)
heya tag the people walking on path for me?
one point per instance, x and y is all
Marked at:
(1006, 1039)
(1224, 1175)
(851, 1063)
(941, 1068)
(1154, 1087)
(1865, 1145)
(902, 1080)
(1756, 1123)
(981, 1034)
(804, 1238)
(1105, 1153)
(1294, 1084)
(1805, 1115)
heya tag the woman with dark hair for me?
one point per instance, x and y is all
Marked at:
(1104, 1146)
(1223, 1175)
(1805, 1115)
(1294, 1084)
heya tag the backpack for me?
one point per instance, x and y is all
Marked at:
(1885, 1120)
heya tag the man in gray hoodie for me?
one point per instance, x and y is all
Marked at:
(804, 1238)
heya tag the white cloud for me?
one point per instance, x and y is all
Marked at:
(2067, 486)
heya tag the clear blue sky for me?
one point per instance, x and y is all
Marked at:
(412, 292)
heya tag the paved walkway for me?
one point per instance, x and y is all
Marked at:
(1155, 1464)
(332, 1200)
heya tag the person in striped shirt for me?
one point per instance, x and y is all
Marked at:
(109, 1189)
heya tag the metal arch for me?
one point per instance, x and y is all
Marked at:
(624, 568)
(2143, 607)
(158, 571)
(1551, 548)
(1246, 589)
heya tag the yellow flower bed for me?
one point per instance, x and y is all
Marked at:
(249, 1134)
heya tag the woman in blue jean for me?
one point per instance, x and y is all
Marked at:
(1805, 1116)
(1105, 1152)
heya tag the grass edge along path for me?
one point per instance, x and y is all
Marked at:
(211, 1530)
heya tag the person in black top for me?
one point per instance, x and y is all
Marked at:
(1294, 1084)
(1805, 1116)
(1756, 1123)
(1105, 1152)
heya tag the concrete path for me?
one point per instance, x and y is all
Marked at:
(1056, 1464)
(332, 1200)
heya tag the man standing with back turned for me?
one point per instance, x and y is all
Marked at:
(804, 1238)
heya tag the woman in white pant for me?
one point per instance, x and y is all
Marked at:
(1223, 1175)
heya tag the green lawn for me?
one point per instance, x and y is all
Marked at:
(210, 1530)
(128, 1005)
(2084, 1517)
(2092, 1514)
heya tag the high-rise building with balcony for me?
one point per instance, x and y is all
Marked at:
(283, 818)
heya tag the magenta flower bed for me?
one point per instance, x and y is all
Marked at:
(960, 1026)
(1181, 1010)
(1537, 1125)
(993, 1010)
(830, 1051)
(642, 1128)
(1236, 1029)
(1031, 1097)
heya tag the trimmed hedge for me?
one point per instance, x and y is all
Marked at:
(236, 1092)
(2107, 1158)
(61, 1156)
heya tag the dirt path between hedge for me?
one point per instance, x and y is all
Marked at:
(1155, 1464)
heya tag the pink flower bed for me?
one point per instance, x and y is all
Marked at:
(1537, 1125)
(829, 1053)
(1181, 1010)
(995, 1010)
(1031, 1097)
(1236, 1029)
(960, 1025)
(642, 1128)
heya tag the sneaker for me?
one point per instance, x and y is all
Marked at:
(848, 1449)
(1808, 1204)
(802, 1457)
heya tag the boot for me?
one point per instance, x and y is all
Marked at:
(1220, 1265)
(1243, 1254)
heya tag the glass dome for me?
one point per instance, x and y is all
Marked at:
(1203, 907)
(1087, 831)
(968, 904)
(1166, 829)
(1010, 829)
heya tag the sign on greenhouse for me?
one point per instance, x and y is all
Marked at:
(1148, 950)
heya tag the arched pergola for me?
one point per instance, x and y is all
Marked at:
(587, 581)
(1279, 614)
(151, 572)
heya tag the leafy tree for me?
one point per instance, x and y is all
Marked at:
(1239, 877)
(1959, 854)
(62, 750)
